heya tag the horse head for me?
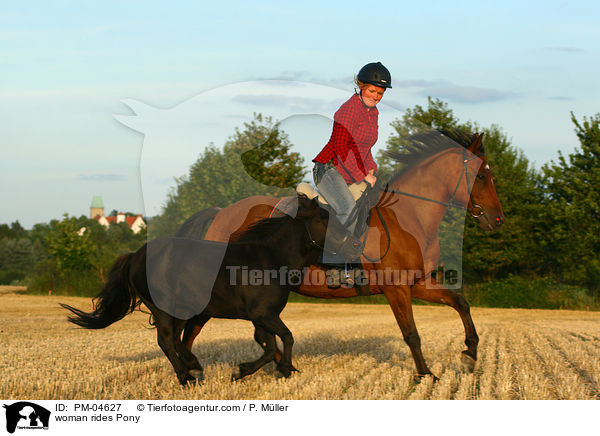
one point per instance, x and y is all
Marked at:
(482, 201)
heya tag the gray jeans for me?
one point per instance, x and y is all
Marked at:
(335, 190)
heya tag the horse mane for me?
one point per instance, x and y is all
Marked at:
(423, 145)
(263, 229)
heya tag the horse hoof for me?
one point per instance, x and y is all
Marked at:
(187, 381)
(191, 382)
(198, 374)
(419, 378)
(468, 362)
(282, 374)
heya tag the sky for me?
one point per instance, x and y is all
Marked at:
(71, 71)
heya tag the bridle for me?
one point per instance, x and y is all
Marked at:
(475, 210)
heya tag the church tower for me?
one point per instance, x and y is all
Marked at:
(97, 207)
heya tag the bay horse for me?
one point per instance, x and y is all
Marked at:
(168, 276)
(443, 169)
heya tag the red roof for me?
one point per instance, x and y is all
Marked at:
(131, 219)
(113, 219)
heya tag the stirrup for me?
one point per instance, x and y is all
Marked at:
(338, 275)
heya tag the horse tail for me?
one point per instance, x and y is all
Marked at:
(195, 226)
(116, 299)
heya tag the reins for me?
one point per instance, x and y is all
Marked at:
(452, 202)
(313, 242)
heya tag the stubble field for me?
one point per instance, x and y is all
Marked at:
(343, 352)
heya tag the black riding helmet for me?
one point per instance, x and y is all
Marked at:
(375, 74)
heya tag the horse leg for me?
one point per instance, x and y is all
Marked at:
(400, 302)
(165, 334)
(188, 358)
(276, 326)
(438, 294)
(267, 342)
(193, 327)
(168, 332)
(261, 336)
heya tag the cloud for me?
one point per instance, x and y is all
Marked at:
(99, 177)
(416, 83)
(294, 103)
(94, 30)
(301, 78)
(396, 104)
(565, 49)
(560, 97)
(466, 94)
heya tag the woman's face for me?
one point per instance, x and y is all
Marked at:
(371, 95)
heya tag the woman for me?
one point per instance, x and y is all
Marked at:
(347, 158)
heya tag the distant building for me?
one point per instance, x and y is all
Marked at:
(135, 223)
(97, 207)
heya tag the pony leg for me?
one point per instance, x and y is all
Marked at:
(267, 342)
(438, 294)
(167, 341)
(262, 336)
(188, 358)
(193, 327)
(165, 334)
(400, 302)
(275, 325)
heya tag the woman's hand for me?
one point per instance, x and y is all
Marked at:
(371, 179)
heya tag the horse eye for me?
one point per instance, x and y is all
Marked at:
(481, 176)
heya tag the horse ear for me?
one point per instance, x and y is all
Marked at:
(476, 146)
(306, 205)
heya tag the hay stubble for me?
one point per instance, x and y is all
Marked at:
(343, 352)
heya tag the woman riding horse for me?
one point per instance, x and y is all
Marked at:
(347, 158)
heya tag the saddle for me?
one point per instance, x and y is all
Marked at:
(362, 210)
(356, 189)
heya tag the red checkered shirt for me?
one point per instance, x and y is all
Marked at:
(354, 134)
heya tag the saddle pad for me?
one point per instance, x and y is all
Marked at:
(285, 206)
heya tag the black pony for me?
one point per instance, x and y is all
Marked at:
(169, 275)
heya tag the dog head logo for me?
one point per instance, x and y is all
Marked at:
(26, 415)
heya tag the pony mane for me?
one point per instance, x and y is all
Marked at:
(266, 228)
(423, 145)
(263, 229)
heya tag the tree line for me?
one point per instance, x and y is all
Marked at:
(68, 256)
(548, 248)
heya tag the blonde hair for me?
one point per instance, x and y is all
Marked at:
(361, 85)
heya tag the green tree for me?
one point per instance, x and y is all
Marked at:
(69, 248)
(572, 206)
(415, 120)
(516, 248)
(15, 231)
(17, 257)
(256, 160)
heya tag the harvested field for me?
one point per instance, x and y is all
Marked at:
(343, 351)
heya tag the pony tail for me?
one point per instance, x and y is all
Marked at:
(116, 299)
